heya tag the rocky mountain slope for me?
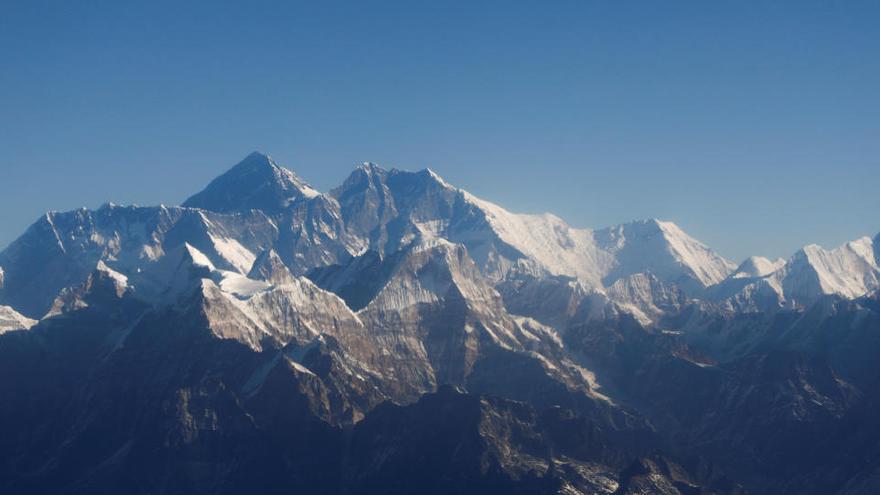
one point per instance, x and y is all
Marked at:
(399, 334)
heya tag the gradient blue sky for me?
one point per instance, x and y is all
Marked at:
(753, 125)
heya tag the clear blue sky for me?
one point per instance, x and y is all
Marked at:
(753, 125)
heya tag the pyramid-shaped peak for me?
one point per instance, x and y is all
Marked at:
(258, 156)
(370, 167)
(191, 255)
(664, 249)
(256, 163)
(435, 176)
(366, 172)
(269, 267)
(255, 183)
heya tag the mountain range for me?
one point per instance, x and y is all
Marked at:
(398, 334)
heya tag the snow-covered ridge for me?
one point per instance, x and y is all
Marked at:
(596, 258)
(238, 307)
(61, 249)
(709, 267)
(757, 266)
(849, 271)
(259, 217)
(547, 239)
(664, 250)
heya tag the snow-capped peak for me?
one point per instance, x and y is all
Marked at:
(709, 267)
(440, 180)
(662, 248)
(259, 207)
(368, 167)
(757, 266)
(548, 240)
(256, 182)
(197, 257)
(849, 270)
(499, 240)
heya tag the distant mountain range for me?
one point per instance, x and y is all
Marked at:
(400, 335)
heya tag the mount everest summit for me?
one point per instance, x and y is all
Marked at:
(398, 334)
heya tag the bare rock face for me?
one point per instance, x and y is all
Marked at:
(103, 286)
(269, 267)
(11, 319)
